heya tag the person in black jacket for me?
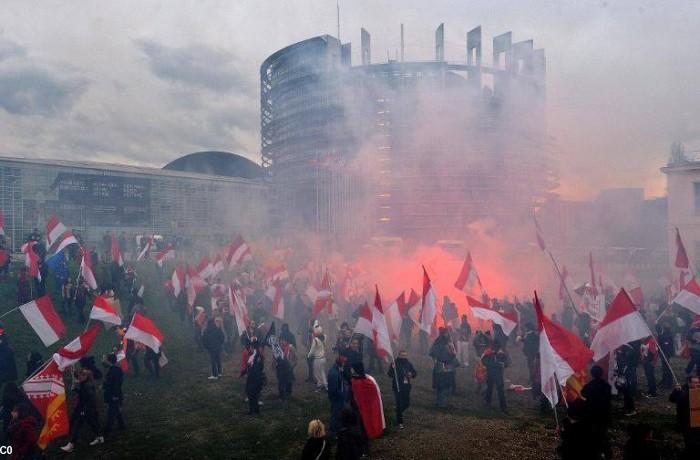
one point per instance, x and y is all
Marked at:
(213, 341)
(680, 396)
(401, 374)
(84, 410)
(444, 362)
(317, 447)
(351, 437)
(287, 335)
(112, 391)
(575, 435)
(495, 360)
(34, 361)
(8, 366)
(597, 394)
(255, 370)
(665, 336)
(640, 445)
(338, 391)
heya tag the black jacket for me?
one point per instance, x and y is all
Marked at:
(112, 386)
(598, 397)
(213, 338)
(316, 448)
(405, 372)
(8, 366)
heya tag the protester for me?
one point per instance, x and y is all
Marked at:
(575, 434)
(8, 366)
(256, 379)
(317, 447)
(597, 395)
(464, 335)
(284, 367)
(402, 374)
(11, 396)
(338, 391)
(84, 409)
(24, 294)
(23, 432)
(495, 360)
(680, 396)
(444, 362)
(112, 392)
(67, 296)
(649, 352)
(213, 341)
(34, 362)
(317, 352)
(693, 338)
(151, 361)
(352, 441)
(626, 376)
(81, 295)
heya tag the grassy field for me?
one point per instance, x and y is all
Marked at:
(183, 415)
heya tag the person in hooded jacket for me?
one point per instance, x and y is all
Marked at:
(256, 379)
(8, 365)
(84, 409)
(213, 341)
(112, 392)
(402, 374)
(445, 361)
(495, 360)
(285, 362)
(351, 438)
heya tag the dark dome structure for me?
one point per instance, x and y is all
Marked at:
(217, 164)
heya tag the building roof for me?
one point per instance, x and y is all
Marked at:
(121, 168)
(217, 164)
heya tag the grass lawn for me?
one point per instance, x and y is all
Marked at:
(185, 416)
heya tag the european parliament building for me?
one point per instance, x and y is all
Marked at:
(196, 196)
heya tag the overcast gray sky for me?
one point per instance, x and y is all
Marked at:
(145, 81)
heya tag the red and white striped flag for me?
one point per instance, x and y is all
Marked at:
(634, 289)
(380, 331)
(413, 305)
(116, 252)
(218, 265)
(76, 349)
(689, 297)
(428, 306)
(58, 236)
(562, 354)
(165, 254)
(394, 316)
(279, 274)
(194, 285)
(145, 249)
(204, 269)
(682, 262)
(103, 311)
(239, 308)
(324, 298)
(86, 270)
(41, 315)
(364, 322)
(31, 259)
(274, 293)
(144, 330)
(468, 277)
(178, 280)
(238, 252)
(507, 320)
(622, 324)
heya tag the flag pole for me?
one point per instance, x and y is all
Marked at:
(661, 352)
(563, 282)
(9, 311)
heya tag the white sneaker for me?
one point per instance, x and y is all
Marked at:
(97, 440)
(67, 448)
(212, 377)
(260, 403)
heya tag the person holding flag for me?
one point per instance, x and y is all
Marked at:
(402, 374)
(444, 363)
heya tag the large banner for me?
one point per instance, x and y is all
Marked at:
(115, 199)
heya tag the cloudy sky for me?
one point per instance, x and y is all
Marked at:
(143, 82)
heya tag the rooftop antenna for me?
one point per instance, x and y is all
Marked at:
(337, 9)
(402, 43)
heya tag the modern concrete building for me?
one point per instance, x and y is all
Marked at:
(414, 149)
(94, 197)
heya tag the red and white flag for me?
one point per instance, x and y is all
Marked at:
(204, 269)
(428, 306)
(103, 311)
(218, 265)
(562, 354)
(116, 252)
(145, 249)
(76, 349)
(468, 277)
(58, 236)
(324, 298)
(86, 270)
(380, 331)
(238, 252)
(165, 254)
(239, 308)
(689, 297)
(413, 305)
(274, 293)
(194, 285)
(178, 280)
(508, 321)
(364, 322)
(31, 259)
(634, 289)
(42, 316)
(144, 330)
(622, 324)
(394, 316)
(682, 263)
(538, 234)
